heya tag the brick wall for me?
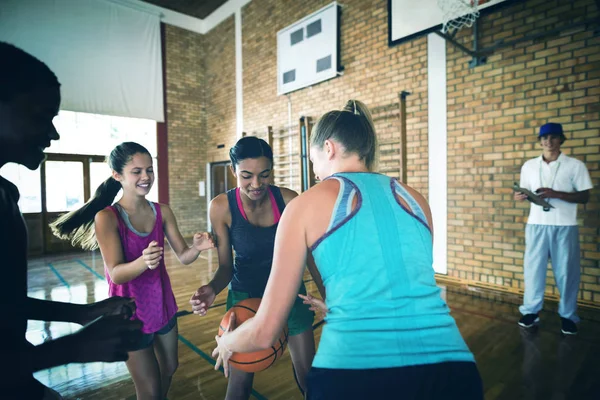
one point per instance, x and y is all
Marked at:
(493, 113)
(373, 73)
(220, 90)
(186, 118)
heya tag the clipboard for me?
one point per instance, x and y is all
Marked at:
(532, 197)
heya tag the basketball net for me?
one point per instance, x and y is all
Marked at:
(458, 13)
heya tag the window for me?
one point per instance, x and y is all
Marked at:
(313, 28)
(82, 133)
(297, 36)
(29, 185)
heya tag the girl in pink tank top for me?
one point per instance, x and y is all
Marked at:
(131, 235)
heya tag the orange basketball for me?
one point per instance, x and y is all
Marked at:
(259, 360)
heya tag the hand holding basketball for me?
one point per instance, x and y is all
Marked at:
(152, 255)
(203, 241)
(202, 299)
(222, 353)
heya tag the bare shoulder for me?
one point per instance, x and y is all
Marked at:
(287, 194)
(165, 208)
(421, 200)
(106, 219)
(219, 208)
(325, 188)
(414, 193)
(167, 213)
(318, 197)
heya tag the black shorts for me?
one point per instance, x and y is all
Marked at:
(449, 380)
(148, 338)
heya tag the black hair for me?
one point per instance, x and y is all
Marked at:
(78, 226)
(20, 72)
(250, 147)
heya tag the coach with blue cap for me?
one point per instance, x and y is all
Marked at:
(552, 232)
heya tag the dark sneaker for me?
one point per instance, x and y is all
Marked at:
(529, 320)
(568, 327)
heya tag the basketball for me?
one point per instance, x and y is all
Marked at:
(258, 360)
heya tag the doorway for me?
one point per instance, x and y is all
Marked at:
(220, 180)
(67, 182)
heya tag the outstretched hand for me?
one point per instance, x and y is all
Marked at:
(116, 305)
(106, 339)
(316, 305)
(203, 241)
(202, 299)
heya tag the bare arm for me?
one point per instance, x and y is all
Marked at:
(288, 195)
(289, 261)
(185, 254)
(105, 339)
(46, 310)
(572, 197)
(220, 220)
(107, 234)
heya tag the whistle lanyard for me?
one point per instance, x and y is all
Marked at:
(553, 178)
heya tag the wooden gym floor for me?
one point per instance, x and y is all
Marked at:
(514, 363)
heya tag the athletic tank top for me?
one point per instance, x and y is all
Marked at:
(252, 245)
(385, 309)
(154, 299)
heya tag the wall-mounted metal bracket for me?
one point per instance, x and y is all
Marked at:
(479, 56)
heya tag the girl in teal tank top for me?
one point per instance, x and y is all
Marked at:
(388, 333)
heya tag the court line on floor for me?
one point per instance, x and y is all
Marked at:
(183, 313)
(210, 360)
(179, 315)
(189, 344)
(58, 275)
(84, 265)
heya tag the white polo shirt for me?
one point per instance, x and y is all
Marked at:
(566, 174)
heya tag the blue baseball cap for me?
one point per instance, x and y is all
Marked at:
(551, 128)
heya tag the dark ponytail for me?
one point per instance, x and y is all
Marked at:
(78, 226)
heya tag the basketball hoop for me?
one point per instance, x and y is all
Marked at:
(458, 13)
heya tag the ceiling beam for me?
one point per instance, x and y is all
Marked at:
(222, 13)
(184, 21)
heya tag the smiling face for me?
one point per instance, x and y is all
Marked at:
(137, 177)
(254, 176)
(26, 127)
(551, 142)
